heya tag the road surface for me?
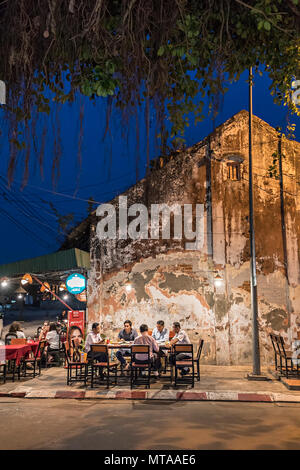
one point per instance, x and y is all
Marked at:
(74, 424)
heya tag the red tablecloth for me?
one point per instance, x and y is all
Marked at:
(34, 346)
(14, 351)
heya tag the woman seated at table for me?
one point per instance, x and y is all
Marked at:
(52, 339)
(44, 330)
(15, 327)
(127, 334)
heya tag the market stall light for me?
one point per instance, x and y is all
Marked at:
(65, 297)
(26, 279)
(20, 296)
(4, 283)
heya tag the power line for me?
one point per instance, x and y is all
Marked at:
(25, 229)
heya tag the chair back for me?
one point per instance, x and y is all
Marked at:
(9, 337)
(137, 349)
(200, 346)
(18, 341)
(67, 351)
(278, 344)
(41, 348)
(100, 348)
(183, 348)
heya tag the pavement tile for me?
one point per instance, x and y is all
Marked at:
(191, 396)
(131, 394)
(255, 397)
(41, 394)
(222, 396)
(96, 394)
(161, 394)
(70, 394)
(285, 397)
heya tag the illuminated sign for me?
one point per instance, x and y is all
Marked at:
(76, 283)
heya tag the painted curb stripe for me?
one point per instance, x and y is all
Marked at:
(172, 395)
(70, 394)
(254, 397)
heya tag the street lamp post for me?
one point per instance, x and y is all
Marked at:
(256, 372)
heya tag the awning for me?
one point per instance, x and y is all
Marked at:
(65, 260)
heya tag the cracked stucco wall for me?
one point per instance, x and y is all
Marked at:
(173, 284)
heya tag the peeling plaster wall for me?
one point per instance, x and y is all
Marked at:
(173, 284)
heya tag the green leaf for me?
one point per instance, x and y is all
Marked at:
(267, 26)
(160, 51)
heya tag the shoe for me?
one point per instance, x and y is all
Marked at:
(184, 371)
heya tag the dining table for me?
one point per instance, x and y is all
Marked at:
(15, 352)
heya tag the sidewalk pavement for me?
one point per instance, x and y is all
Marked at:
(218, 383)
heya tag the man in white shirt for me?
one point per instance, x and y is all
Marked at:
(93, 337)
(160, 333)
(181, 337)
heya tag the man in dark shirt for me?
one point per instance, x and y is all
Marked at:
(127, 334)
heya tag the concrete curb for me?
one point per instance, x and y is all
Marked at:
(171, 395)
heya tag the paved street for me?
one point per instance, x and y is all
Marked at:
(71, 424)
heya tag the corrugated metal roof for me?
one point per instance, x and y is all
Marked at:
(59, 261)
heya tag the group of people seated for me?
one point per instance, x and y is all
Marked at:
(160, 334)
(159, 341)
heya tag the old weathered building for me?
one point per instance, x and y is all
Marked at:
(174, 284)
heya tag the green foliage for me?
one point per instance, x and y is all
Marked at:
(176, 51)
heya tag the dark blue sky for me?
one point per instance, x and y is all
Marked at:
(28, 225)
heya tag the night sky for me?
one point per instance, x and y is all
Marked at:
(28, 225)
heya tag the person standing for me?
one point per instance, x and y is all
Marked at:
(127, 334)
